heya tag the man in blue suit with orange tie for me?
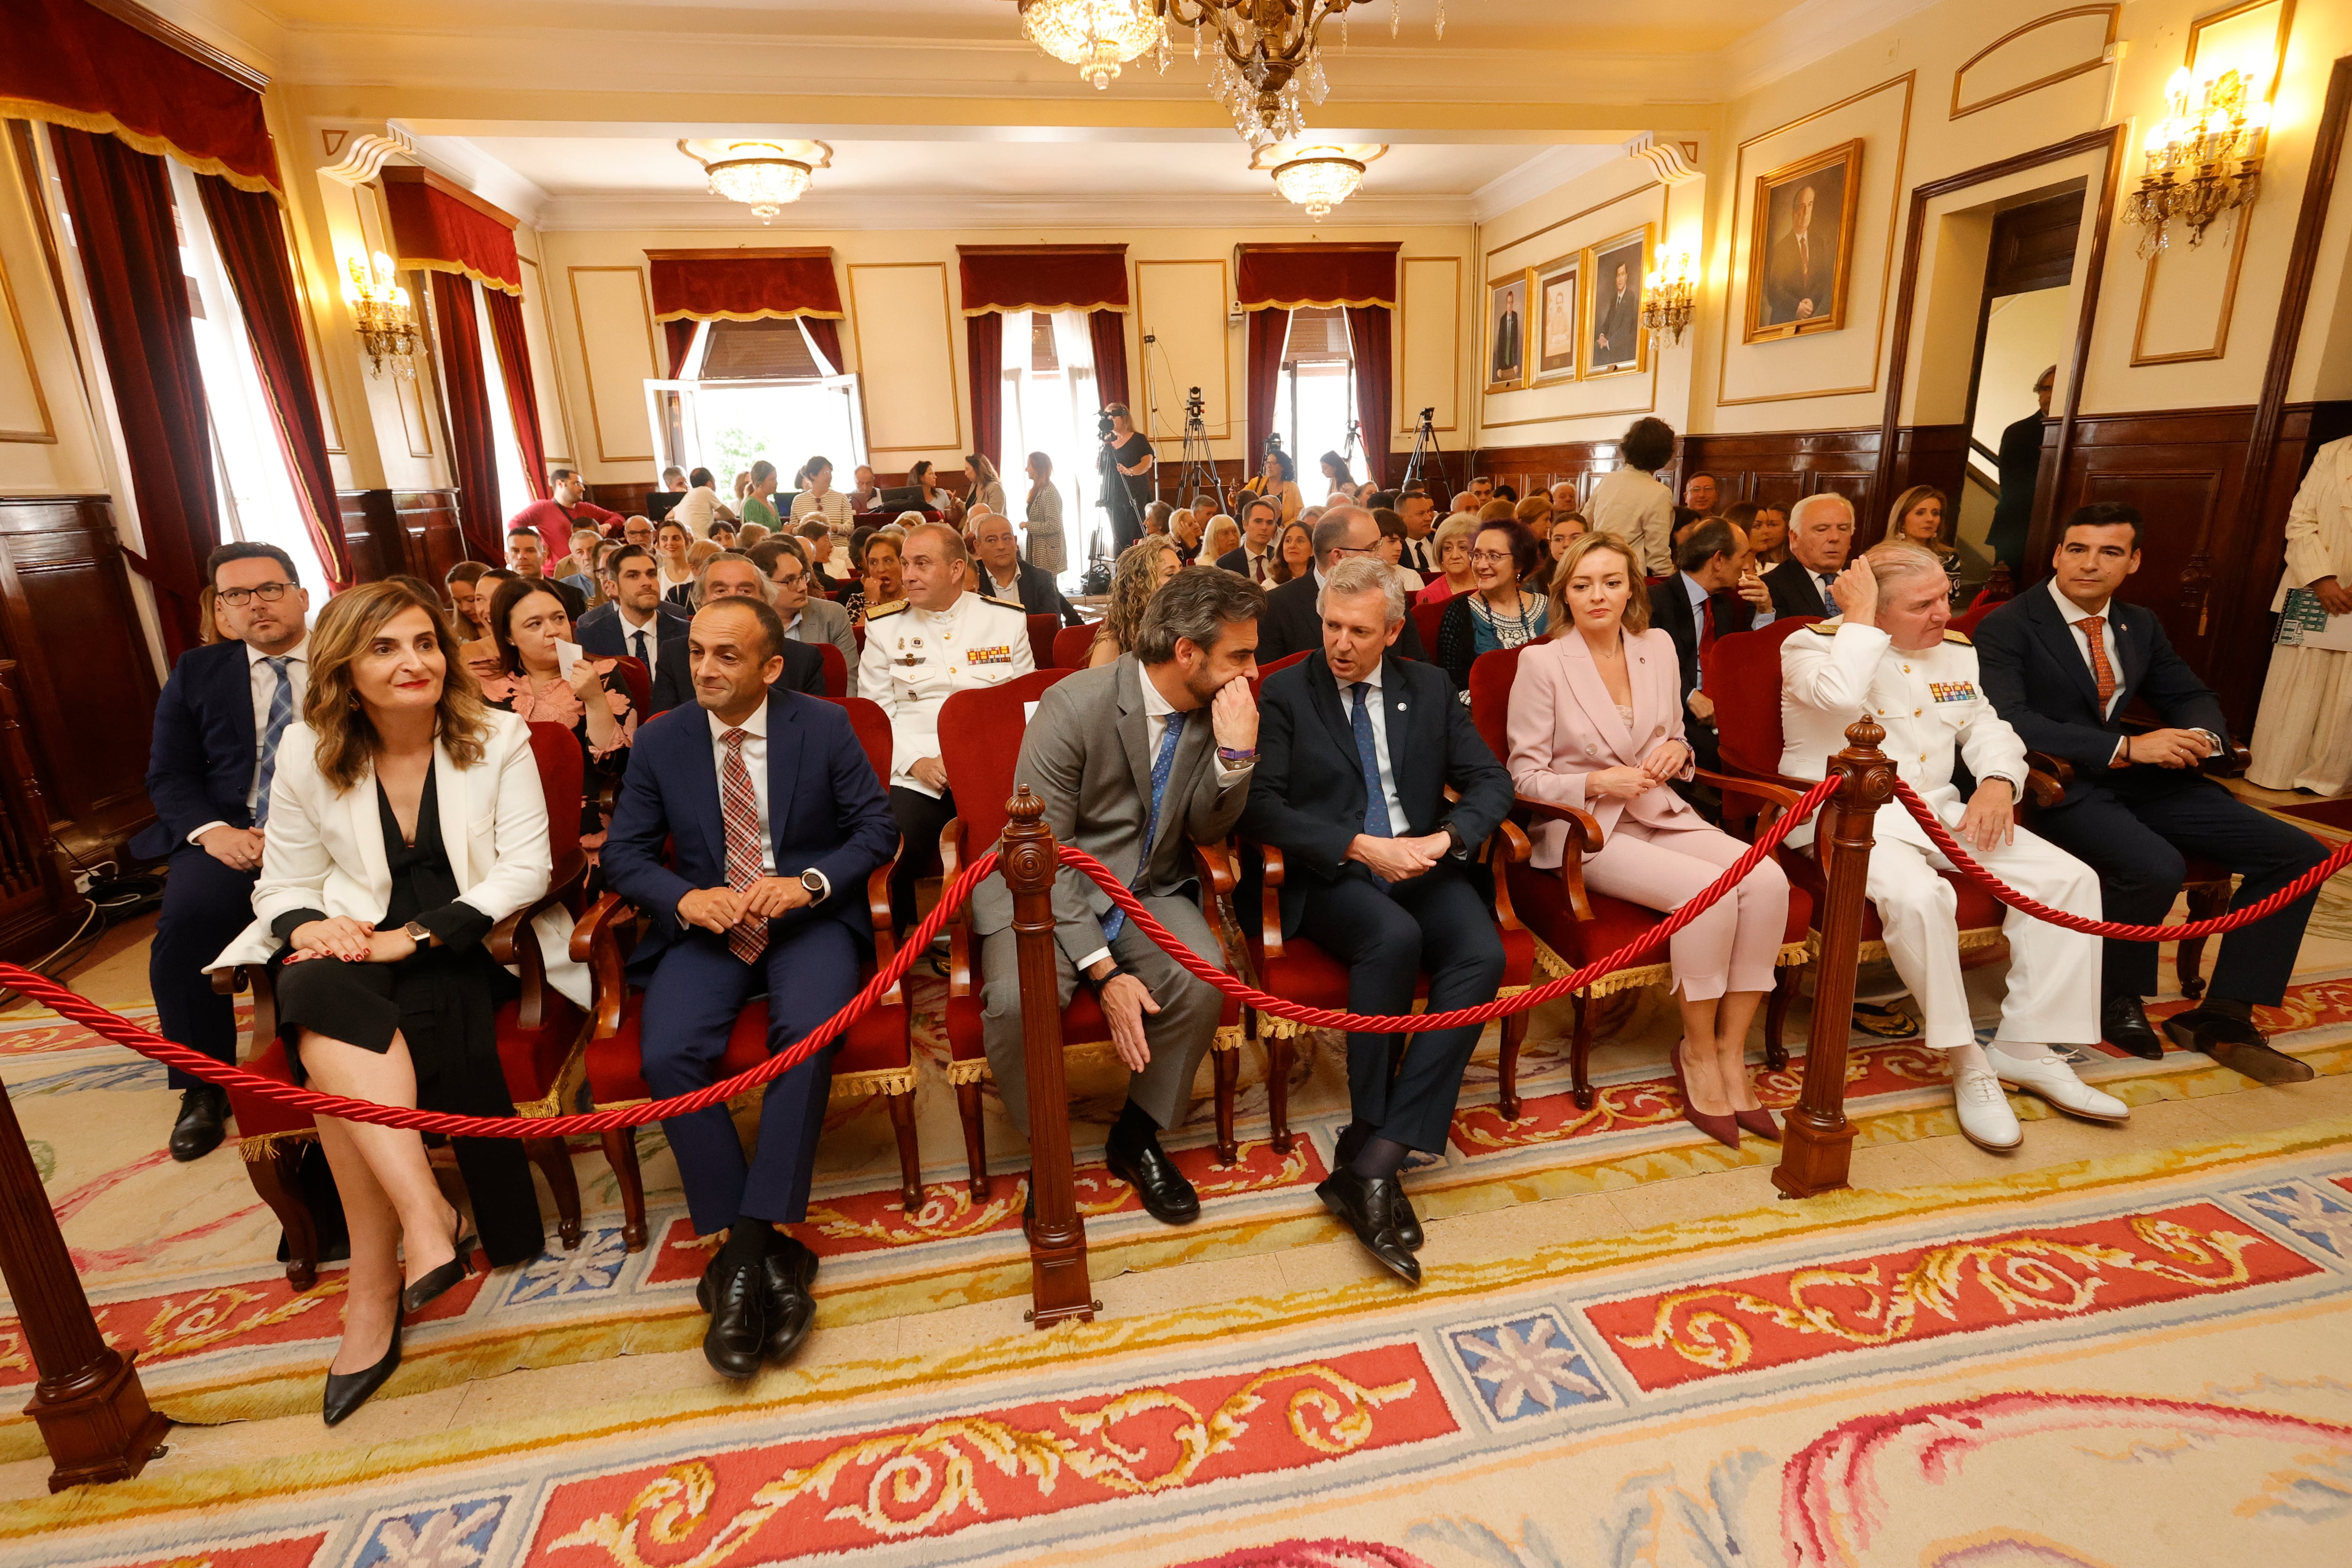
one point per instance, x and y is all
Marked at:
(213, 752)
(776, 820)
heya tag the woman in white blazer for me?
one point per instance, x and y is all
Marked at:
(1596, 722)
(406, 818)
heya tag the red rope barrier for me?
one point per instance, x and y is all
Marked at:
(1925, 814)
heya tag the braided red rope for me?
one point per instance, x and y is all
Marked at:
(1925, 814)
(147, 1043)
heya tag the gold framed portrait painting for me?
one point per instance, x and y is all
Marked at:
(1557, 297)
(1800, 244)
(1507, 316)
(1613, 341)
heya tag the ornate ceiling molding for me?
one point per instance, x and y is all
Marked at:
(365, 153)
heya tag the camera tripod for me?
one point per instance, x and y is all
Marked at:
(1197, 474)
(1424, 446)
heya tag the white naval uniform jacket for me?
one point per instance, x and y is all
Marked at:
(1932, 706)
(915, 659)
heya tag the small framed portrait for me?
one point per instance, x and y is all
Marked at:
(1614, 343)
(1799, 242)
(1557, 319)
(1506, 332)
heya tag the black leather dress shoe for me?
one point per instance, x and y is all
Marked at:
(347, 1391)
(1408, 1223)
(1367, 1204)
(203, 1122)
(1167, 1196)
(738, 1334)
(788, 1276)
(2123, 1022)
(2238, 1046)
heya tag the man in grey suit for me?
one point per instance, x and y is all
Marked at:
(1136, 760)
(808, 617)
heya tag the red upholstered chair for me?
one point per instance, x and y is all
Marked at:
(1427, 614)
(1044, 630)
(858, 634)
(1964, 623)
(640, 683)
(836, 670)
(1285, 662)
(1573, 927)
(876, 1055)
(539, 1037)
(1071, 646)
(979, 744)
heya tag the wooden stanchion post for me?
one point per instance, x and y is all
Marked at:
(1029, 861)
(89, 1404)
(1818, 1140)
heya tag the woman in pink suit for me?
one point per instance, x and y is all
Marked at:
(1597, 723)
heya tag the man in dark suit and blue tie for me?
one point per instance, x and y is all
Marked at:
(214, 750)
(1356, 749)
(2061, 663)
(1821, 536)
(776, 820)
(640, 624)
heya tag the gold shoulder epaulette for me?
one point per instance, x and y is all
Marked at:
(1823, 629)
(876, 612)
(1006, 604)
(1959, 637)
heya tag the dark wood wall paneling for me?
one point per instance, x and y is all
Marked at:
(392, 532)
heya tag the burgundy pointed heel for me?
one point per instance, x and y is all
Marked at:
(1723, 1129)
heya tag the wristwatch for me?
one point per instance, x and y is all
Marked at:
(814, 880)
(419, 934)
(1461, 850)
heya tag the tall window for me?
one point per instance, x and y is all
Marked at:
(1314, 402)
(1050, 406)
(514, 480)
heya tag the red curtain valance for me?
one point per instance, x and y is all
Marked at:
(66, 62)
(745, 285)
(443, 227)
(1317, 277)
(1002, 278)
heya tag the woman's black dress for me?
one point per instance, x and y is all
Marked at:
(443, 1000)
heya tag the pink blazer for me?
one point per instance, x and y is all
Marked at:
(1564, 725)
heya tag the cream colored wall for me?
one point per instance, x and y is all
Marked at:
(905, 336)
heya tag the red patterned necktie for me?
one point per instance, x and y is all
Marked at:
(2101, 670)
(740, 805)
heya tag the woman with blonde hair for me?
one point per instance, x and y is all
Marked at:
(1922, 516)
(1596, 724)
(1143, 567)
(406, 819)
(1225, 537)
(982, 487)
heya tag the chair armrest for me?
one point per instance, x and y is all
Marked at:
(2047, 778)
(1270, 899)
(959, 922)
(1508, 843)
(2224, 765)
(505, 944)
(1584, 837)
(596, 943)
(1215, 862)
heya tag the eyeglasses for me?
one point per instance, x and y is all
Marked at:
(268, 593)
(1492, 557)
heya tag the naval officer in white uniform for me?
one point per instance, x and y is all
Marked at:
(1888, 655)
(941, 639)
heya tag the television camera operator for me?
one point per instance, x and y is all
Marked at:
(1127, 450)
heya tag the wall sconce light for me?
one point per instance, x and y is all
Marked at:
(2208, 123)
(1666, 295)
(380, 311)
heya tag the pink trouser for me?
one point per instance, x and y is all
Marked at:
(1732, 946)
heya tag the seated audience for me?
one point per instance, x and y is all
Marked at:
(1768, 536)
(1499, 612)
(1294, 553)
(1356, 752)
(723, 535)
(1042, 513)
(578, 568)
(1291, 623)
(1564, 529)
(2061, 664)
(1000, 573)
(1181, 698)
(1481, 491)
(211, 756)
(700, 508)
(808, 619)
(469, 598)
(674, 548)
(1452, 549)
(1922, 516)
(1702, 494)
(373, 910)
(1256, 556)
(1887, 653)
(818, 544)
(1142, 568)
(773, 821)
(639, 530)
(733, 575)
(547, 677)
(866, 492)
(640, 625)
(879, 566)
(943, 638)
(819, 499)
(526, 558)
(1597, 723)
(1414, 504)
(1221, 538)
(1534, 514)
(605, 550)
(1631, 503)
(758, 501)
(934, 499)
(1391, 548)
(1821, 533)
(1158, 519)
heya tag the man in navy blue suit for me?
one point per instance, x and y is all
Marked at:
(639, 624)
(777, 820)
(214, 750)
(2061, 664)
(1356, 750)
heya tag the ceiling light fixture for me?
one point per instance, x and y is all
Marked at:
(1316, 176)
(765, 176)
(1098, 36)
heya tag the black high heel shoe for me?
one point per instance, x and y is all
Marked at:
(438, 1283)
(347, 1391)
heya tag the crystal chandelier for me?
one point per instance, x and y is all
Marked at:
(1098, 36)
(765, 176)
(1667, 296)
(1269, 57)
(2186, 153)
(380, 311)
(1316, 176)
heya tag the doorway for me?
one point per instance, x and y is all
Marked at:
(2024, 326)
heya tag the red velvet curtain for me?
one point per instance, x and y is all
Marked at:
(1297, 277)
(1107, 332)
(434, 229)
(826, 336)
(252, 242)
(984, 342)
(473, 442)
(678, 337)
(120, 202)
(1008, 277)
(743, 285)
(514, 364)
(1269, 332)
(1367, 333)
(68, 63)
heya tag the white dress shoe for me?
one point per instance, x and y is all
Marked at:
(2048, 1078)
(1985, 1116)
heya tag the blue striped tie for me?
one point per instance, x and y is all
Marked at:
(281, 713)
(1161, 766)
(1376, 803)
